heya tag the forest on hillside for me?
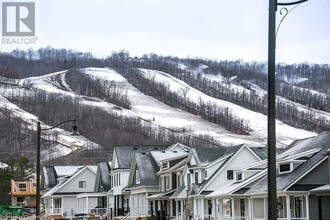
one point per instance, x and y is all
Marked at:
(296, 84)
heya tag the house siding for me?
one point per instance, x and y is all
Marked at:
(258, 208)
(73, 186)
(68, 203)
(319, 176)
(243, 158)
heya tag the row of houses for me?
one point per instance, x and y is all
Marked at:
(178, 182)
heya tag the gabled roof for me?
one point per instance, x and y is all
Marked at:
(183, 147)
(320, 143)
(147, 167)
(160, 156)
(52, 173)
(58, 187)
(103, 177)
(206, 155)
(229, 155)
(124, 154)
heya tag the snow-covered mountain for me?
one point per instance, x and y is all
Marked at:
(148, 110)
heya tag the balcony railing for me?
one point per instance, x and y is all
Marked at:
(98, 211)
(54, 211)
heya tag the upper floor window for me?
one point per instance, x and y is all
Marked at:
(239, 176)
(22, 186)
(167, 182)
(188, 181)
(230, 174)
(137, 177)
(196, 177)
(82, 184)
(162, 183)
(178, 180)
(205, 174)
(165, 165)
(284, 168)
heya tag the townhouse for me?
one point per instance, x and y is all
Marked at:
(78, 190)
(302, 185)
(176, 182)
(119, 195)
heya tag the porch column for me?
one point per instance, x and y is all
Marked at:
(288, 210)
(87, 205)
(214, 208)
(220, 208)
(307, 206)
(176, 209)
(195, 207)
(202, 208)
(156, 207)
(250, 208)
(161, 210)
(62, 205)
(52, 210)
(182, 211)
(232, 208)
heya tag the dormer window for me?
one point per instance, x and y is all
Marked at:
(137, 177)
(230, 174)
(286, 168)
(196, 177)
(165, 165)
(239, 176)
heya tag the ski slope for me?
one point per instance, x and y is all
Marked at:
(157, 114)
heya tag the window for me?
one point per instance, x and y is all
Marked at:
(205, 174)
(82, 184)
(57, 203)
(165, 165)
(137, 177)
(167, 182)
(22, 186)
(285, 168)
(188, 181)
(239, 176)
(162, 183)
(119, 179)
(196, 177)
(178, 180)
(230, 175)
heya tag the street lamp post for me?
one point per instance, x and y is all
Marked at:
(39, 129)
(271, 129)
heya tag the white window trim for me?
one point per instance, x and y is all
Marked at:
(291, 168)
(82, 181)
(137, 174)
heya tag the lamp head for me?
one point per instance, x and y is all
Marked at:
(75, 128)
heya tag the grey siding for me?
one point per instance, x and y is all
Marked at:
(313, 207)
(258, 208)
(318, 176)
(325, 207)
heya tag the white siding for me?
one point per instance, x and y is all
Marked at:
(243, 158)
(258, 208)
(73, 186)
(124, 174)
(67, 203)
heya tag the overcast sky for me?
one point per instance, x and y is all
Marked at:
(216, 29)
